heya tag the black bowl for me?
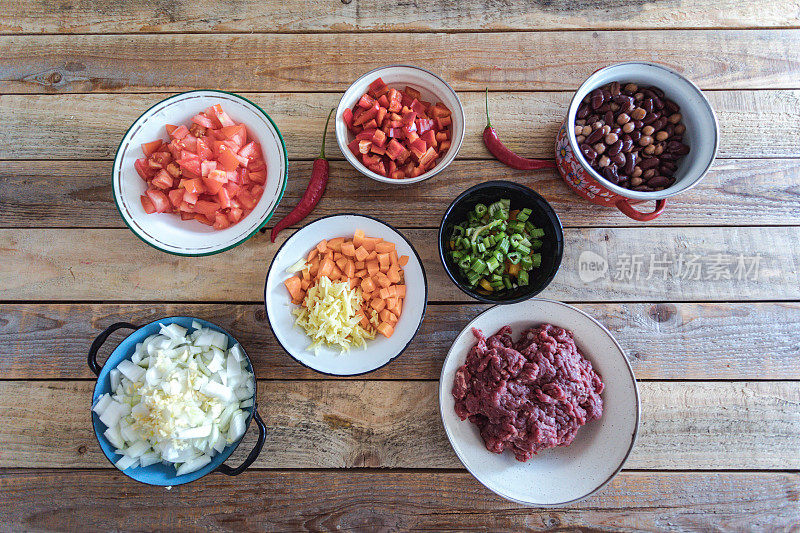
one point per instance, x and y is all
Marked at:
(543, 216)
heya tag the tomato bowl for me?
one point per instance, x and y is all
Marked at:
(166, 231)
(431, 88)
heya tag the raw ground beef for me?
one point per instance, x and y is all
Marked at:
(530, 395)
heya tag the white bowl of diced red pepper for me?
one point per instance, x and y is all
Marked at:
(169, 165)
(400, 124)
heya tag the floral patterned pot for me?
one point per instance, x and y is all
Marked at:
(702, 135)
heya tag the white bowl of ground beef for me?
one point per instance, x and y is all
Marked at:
(590, 455)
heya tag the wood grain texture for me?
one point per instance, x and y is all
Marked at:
(679, 263)
(662, 340)
(131, 16)
(396, 424)
(521, 61)
(745, 192)
(754, 124)
(406, 501)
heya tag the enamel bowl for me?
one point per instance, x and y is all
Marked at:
(159, 473)
(561, 475)
(433, 89)
(379, 351)
(167, 232)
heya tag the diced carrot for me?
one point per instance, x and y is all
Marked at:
(393, 257)
(349, 269)
(358, 238)
(388, 292)
(393, 274)
(382, 280)
(400, 290)
(312, 254)
(391, 302)
(383, 260)
(385, 329)
(305, 284)
(513, 270)
(403, 260)
(378, 304)
(388, 317)
(384, 247)
(372, 267)
(361, 253)
(398, 308)
(362, 273)
(336, 244)
(372, 255)
(294, 286)
(337, 256)
(341, 263)
(348, 249)
(367, 285)
(328, 254)
(354, 282)
(365, 321)
(322, 246)
(306, 274)
(367, 296)
(325, 268)
(297, 301)
(360, 265)
(336, 272)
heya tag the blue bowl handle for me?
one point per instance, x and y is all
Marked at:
(262, 436)
(98, 342)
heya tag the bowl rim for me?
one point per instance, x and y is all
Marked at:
(628, 193)
(520, 188)
(244, 238)
(233, 447)
(424, 305)
(636, 427)
(358, 165)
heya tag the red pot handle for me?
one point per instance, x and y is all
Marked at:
(628, 209)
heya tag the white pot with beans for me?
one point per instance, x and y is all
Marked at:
(636, 132)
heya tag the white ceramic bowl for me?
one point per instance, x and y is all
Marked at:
(559, 475)
(380, 351)
(433, 89)
(702, 130)
(168, 232)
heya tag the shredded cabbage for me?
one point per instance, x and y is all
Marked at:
(180, 399)
(328, 315)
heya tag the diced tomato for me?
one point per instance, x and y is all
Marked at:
(207, 208)
(246, 198)
(202, 120)
(223, 198)
(175, 197)
(237, 134)
(160, 201)
(206, 167)
(256, 165)
(235, 215)
(221, 221)
(190, 197)
(228, 160)
(259, 177)
(147, 205)
(204, 219)
(179, 133)
(248, 150)
(190, 162)
(221, 116)
(145, 172)
(162, 180)
(203, 149)
(149, 148)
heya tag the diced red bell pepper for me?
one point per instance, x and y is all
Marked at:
(439, 110)
(366, 135)
(370, 159)
(410, 136)
(430, 138)
(347, 116)
(367, 115)
(398, 174)
(418, 108)
(429, 156)
(377, 88)
(353, 146)
(364, 146)
(418, 148)
(366, 101)
(395, 101)
(394, 149)
(380, 116)
(442, 135)
(378, 168)
(383, 101)
(413, 93)
(444, 146)
(409, 117)
(378, 138)
(424, 124)
(442, 122)
(375, 149)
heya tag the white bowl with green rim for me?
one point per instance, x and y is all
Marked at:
(166, 231)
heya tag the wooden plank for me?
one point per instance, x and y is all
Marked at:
(681, 263)
(745, 192)
(406, 501)
(46, 341)
(396, 424)
(130, 16)
(714, 59)
(754, 124)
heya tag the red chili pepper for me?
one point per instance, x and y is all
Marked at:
(314, 192)
(506, 156)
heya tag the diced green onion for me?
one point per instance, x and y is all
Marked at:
(523, 215)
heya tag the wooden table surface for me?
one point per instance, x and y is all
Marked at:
(716, 349)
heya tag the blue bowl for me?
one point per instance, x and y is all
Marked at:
(160, 474)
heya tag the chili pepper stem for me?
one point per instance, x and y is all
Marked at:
(325, 133)
(488, 122)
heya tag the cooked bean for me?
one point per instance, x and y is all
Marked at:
(611, 138)
(649, 149)
(645, 140)
(631, 88)
(586, 130)
(614, 88)
(638, 113)
(623, 118)
(635, 182)
(588, 152)
(647, 174)
(661, 136)
(648, 163)
(679, 129)
(580, 139)
(595, 136)
(674, 118)
(658, 181)
(628, 127)
(604, 161)
(648, 130)
(599, 148)
(619, 159)
(615, 148)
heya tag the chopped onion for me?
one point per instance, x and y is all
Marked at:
(180, 399)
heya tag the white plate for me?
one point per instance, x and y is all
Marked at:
(559, 475)
(433, 89)
(166, 231)
(379, 351)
